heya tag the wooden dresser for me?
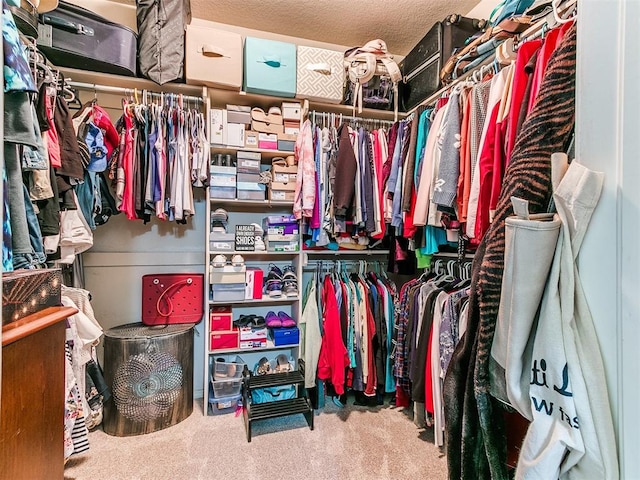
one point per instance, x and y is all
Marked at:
(32, 401)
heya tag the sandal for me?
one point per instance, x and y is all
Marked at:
(264, 366)
(282, 364)
(243, 321)
(258, 321)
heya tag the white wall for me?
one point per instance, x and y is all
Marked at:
(483, 9)
(608, 140)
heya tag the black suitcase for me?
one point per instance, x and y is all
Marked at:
(421, 67)
(71, 36)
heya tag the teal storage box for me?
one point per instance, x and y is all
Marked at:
(269, 67)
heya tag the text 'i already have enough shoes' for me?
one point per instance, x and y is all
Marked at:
(289, 282)
(273, 282)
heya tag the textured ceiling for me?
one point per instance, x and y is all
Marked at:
(400, 23)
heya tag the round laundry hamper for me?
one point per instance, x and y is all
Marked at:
(150, 373)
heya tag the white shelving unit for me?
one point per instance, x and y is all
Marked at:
(246, 212)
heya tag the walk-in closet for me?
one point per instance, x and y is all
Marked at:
(324, 240)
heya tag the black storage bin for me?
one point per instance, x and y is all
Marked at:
(71, 36)
(421, 67)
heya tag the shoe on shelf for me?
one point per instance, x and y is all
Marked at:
(286, 320)
(218, 227)
(272, 320)
(264, 366)
(273, 282)
(219, 215)
(282, 364)
(237, 260)
(259, 242)
(289, 282)
(219, 261)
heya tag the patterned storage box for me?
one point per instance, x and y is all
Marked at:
(320, 74)
(269, 67)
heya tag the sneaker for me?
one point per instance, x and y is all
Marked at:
(289, 282)
(259, 243)
(273, 282)
(219, 261)
(237, 260)
(218, 227)
(219, 215)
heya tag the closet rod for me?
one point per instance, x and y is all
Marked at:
(128, 91)
(536, 30)
(342, 117)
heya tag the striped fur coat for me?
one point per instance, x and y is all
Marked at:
(475, 439)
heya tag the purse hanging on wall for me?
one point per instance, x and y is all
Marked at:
(169, 298)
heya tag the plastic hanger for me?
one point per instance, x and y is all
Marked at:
(556, 5)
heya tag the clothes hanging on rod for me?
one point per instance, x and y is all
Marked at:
(448, 160)
(430, 320)
(340, 191)
(356, 317)
(163, 151)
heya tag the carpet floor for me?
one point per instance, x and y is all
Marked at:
(347, 443)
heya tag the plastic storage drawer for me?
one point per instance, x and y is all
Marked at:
(227, 370)
(227, 388)
(220, 406)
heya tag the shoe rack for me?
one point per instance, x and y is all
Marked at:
(245, 212)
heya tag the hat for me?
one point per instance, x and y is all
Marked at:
(97, 149)
(101, 120)
(44, 6)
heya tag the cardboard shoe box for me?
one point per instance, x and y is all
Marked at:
(268, 141)
(255, 278)
(287, 142)
(239, 114)
(220, 318)
(248, 162)
(284, 174)
(286, 336)
(251, 139)
(224, 340)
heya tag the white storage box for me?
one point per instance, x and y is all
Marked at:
(320, 74)
(227, 292)
(213, 57)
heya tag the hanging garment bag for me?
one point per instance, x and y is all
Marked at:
(161, 32)
(421, 67)
(71, 36)
(172, 298)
